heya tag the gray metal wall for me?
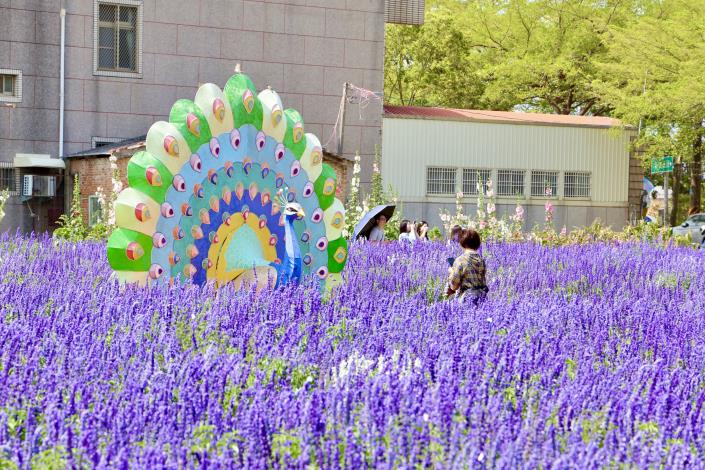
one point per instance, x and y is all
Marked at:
(305, 50)
(412, 145)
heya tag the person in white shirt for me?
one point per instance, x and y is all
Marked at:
(407, 231)
(377, 233)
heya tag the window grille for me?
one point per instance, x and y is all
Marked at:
(440, 180)
(10, 85)
(8, 178)
(118, 30)
(470, 180)
(510, 183)
(576, 184)
(101, 141)
(544, 183)
(404, 11)
(94, 210)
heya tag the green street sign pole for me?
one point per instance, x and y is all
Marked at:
(663, 165)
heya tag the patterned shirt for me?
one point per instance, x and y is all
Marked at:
(468, 273)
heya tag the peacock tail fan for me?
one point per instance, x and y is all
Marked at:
(203, 198)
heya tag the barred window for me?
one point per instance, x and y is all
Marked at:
(10, 85)
(470, 180)
(117, 41)
(404, 11)
(8, 178)
(440, 180)
(101, 141)
(544, 183)
(576, 184)
(94, 210)
(510, 182)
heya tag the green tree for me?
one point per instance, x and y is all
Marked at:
(534, 54)
(653, 77)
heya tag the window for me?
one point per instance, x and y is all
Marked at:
(8, 178)
(94, 210)
(440, 180)
(404, 11)
(576, 184)
(544, 183)
(101, 141)
(470, 180)
(10, 86)
(510, 182)
(117, 41)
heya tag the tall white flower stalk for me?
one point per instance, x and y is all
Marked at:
(355, 208)
(109, 206)
(4, 196)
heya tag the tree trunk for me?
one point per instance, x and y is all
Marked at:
(676, 186)
(696, 175)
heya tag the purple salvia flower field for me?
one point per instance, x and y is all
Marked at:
(583, 356)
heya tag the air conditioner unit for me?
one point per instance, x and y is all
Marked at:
(38, 186)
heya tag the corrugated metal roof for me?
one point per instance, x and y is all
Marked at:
(509, 117)
(109, 149)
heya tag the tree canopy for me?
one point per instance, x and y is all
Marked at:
(642, 61)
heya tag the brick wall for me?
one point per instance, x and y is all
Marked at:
(94, 173)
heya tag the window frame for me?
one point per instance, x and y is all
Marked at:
(9, 175)
(542, 194)
(455, 181)
(104, 141)
(498, 184)
(567, 195)
(16, 96)
(93, 201)
(138, 36)
(473, 185)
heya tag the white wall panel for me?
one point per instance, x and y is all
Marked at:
(411, 145)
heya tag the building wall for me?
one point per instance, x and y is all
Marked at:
(95, 173)
(304, 49)
(411, 145)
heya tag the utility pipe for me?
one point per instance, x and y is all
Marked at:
(61, 83)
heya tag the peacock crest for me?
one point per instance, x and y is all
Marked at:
(206, 199)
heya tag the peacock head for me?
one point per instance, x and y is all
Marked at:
(294, 210)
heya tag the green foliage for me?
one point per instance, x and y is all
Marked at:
(435, 234)
(537, 54)
(71, 226)
(377, 195)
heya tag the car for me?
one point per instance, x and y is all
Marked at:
(693, 225)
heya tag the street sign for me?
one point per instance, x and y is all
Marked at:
(661, 165)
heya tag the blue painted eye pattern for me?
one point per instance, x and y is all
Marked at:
(295, 169)
(179, 183)
(261, 139)
(167, 210)
(317, 216)
(322, 243)
(195, 162)
(235, 139)
(279, 152)
(215, 147)
(308, 189)
(159, 240)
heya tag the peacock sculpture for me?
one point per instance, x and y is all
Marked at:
(230, 190)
